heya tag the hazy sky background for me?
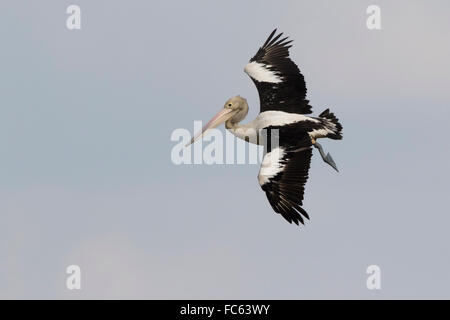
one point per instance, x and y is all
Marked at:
(86, 176)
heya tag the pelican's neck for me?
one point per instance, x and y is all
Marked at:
(230, 124)
(247, 132)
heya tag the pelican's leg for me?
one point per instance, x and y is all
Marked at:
(327, 158)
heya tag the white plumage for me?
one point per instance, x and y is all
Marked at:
(270, 165)
(261, 73)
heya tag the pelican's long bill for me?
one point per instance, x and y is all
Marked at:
(218, 119)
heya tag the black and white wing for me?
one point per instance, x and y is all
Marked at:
(282, 176)
(280, 84)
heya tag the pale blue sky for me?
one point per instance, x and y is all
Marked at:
(85, 171)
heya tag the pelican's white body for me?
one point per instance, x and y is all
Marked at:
(250, 131)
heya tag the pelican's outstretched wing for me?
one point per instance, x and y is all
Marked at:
(280, 84)
(282, 176)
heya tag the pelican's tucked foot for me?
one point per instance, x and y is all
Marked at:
(327, 158)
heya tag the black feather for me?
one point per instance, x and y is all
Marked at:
(288, 95)
(286, 189)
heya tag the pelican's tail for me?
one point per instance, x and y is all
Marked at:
(332, 124)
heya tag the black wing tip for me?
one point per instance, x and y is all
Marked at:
(294, 216)
(269, 38)
(272, 40)
(289, 210)
(273, 46)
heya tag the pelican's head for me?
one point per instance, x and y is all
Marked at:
(240, 108)
(234, 111)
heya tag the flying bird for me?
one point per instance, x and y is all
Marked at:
(283, 118)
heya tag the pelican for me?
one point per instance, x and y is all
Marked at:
(283, 109)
